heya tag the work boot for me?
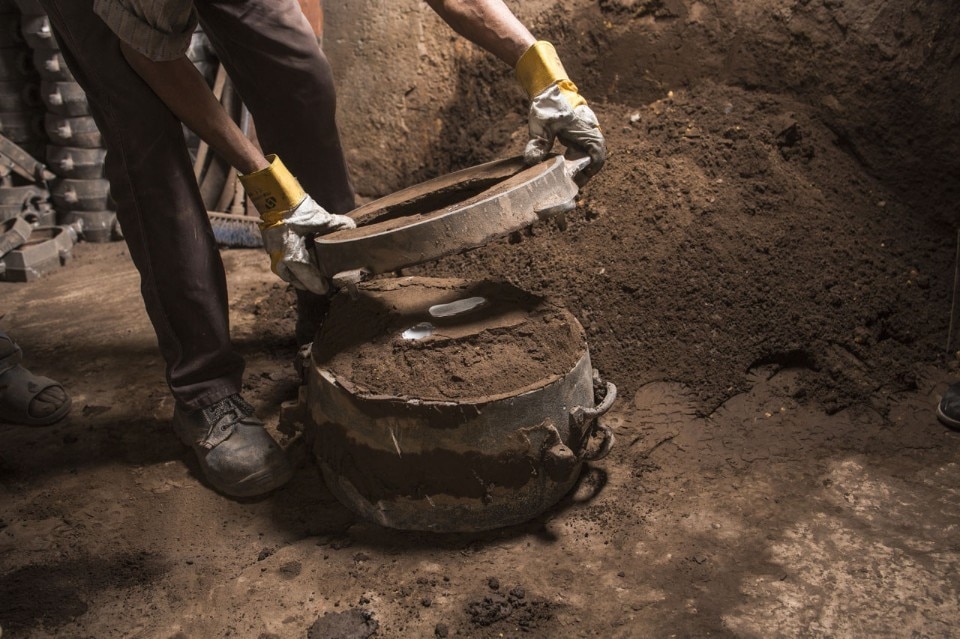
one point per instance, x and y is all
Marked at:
(237, 455)
(948, 410)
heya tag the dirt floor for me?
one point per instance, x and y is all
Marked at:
(764, 272)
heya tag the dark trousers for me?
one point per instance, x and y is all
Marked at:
(272, 56)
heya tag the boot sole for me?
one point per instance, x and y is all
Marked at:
(255, 484)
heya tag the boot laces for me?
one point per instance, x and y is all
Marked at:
(219, 421)
(227, 412)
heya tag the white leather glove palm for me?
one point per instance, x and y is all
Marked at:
(289, 246)
(290, 219)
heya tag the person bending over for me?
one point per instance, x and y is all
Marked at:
(129, 57)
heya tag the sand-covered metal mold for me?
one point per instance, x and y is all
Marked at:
(445, 405)
(446, 215)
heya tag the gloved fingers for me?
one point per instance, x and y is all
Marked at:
(292, 260)
(321, 224)
(279, 268)
(306, 276)
(300, 263)
(328, 223)
(310, 217)
(546, 110)
(586, 116)
(273, 245)
(281, 271)
(551, 116)
(537, 149)
(591, 143)
(300, 275)
(583, 132)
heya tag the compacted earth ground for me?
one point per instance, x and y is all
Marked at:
(764, 268)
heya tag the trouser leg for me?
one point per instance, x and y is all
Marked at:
(159, 208)
(283, 77)
(273, 58)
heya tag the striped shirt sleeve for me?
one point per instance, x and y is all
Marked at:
(159, 29)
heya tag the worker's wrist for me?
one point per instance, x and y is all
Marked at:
(251, 162)
(540, 68)
(273, 190)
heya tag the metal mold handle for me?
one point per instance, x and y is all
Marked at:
(605, 444)
(582, 415)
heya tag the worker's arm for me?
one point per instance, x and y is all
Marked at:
(557, 110)
(180, 86)
(289, 216)
(488, 23)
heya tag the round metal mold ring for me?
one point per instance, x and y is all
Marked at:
(446, 215)
(448, 464)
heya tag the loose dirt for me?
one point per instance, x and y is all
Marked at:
(730, 230)
(764, 267)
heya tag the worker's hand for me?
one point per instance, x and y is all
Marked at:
(290, 219)
(288, 242)
(557, 110)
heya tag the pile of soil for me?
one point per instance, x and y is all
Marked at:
(730, 229)
(776, 191)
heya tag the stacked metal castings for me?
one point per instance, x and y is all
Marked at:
(30, 245)
(21, 123)
(28, 252)
(75, 153)
(29, 248)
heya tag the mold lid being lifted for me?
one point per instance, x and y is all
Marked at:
(446, 215)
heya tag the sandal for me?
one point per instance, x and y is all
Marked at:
(26, 398)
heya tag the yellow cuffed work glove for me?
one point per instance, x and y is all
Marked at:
(557, 110)
(289, 218)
